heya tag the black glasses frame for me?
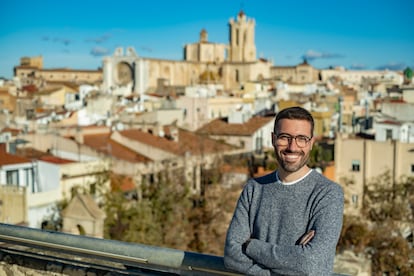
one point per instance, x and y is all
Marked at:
(284, 139)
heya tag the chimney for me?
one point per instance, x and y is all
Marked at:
(174, 131)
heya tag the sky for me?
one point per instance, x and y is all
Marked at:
(355, 34)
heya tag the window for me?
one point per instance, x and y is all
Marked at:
(259, 144)
(92, 189)
(388, 134)
(242, 143)
(355, 200)
(355, 165)
(195, 177)
(28, 177)
(412, 168)
(12, 177)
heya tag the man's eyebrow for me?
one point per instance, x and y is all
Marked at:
(285, 133)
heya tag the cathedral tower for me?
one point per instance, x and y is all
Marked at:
(242, 45)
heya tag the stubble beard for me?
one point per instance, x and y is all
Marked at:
(292, 167)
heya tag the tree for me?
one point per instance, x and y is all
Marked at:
(319, 156)
(354, 235)
(151, 219)
(388, 205)
(408, 74)
(170, 215)
(386, 199)
(390, 252)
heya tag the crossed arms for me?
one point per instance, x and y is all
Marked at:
(312, 253)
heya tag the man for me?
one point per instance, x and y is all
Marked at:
(289, 221)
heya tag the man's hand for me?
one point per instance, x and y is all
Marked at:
(307, 237)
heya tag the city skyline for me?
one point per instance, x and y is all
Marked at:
(371, 35)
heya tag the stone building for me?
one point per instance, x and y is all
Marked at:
(31, 71)
(302, 73)
(83, 216)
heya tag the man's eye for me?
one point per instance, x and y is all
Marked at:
(302, 138)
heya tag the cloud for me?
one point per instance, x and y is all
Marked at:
(357, 66)
(99, 51)
(99, 39)
(64, 41)
(146, 48)
(394, 66)
(312, 55)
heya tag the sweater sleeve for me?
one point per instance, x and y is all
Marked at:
(237, 234)
(317, 256)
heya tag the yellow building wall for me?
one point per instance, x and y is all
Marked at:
(13, 209)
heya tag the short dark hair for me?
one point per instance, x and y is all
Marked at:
(295, 113)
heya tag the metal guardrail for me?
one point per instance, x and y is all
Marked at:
(158, 259)
(131, 258)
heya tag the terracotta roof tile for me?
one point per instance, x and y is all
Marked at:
(11, 159)
(13, 131)
(55, 159)
(31, 153)
(103, 143)
(188, 142)
(222, 127)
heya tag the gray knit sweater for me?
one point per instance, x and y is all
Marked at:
(275, 217)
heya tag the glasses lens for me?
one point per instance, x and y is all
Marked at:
(283, 140)
(300, 141)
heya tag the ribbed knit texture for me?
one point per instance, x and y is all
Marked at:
(275, 217)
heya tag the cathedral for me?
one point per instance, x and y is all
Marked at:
(204, 62)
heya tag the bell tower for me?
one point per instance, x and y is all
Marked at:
(242, 45)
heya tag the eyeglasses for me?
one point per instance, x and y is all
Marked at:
(285, 139)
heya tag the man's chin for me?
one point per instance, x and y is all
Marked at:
(291, 168)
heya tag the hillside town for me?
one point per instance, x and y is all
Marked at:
(136, 119)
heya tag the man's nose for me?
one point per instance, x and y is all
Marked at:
(292, 143)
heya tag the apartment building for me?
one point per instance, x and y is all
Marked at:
(38, 180)
(358, 161)
(252, 135)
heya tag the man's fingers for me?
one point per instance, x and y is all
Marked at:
(308, 236)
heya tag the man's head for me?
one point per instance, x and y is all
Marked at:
(293, 138)
(295, 113)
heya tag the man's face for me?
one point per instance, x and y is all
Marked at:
(291, 156)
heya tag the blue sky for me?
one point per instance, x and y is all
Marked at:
(356, 34)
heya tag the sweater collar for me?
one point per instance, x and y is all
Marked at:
(278, 181)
